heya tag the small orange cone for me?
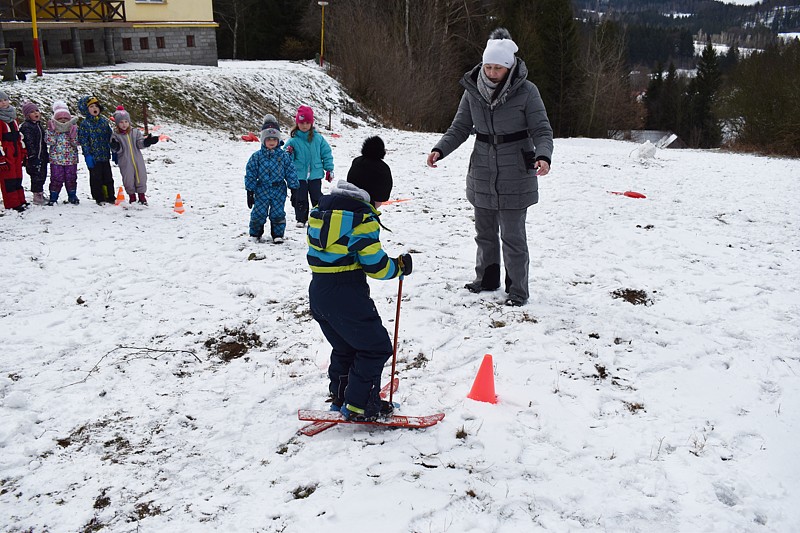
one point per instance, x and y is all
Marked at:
(179, 205)
(483, 387)
(120, 197)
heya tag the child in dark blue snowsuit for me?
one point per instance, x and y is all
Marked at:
(343, 249)
(268, 172)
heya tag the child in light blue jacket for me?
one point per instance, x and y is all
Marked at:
(313, 160)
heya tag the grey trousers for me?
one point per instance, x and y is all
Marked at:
(511, 226)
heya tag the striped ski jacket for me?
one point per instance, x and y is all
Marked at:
(344, 235)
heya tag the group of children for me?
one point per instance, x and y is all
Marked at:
(343, 231)
(344, 249)
(35, 143)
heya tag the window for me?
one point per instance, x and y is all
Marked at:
(66, 47)
(190, 41)
(144, 43)
(127, 45)
(160, 42)
(88, 46)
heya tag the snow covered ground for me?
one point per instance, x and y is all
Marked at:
(152, 363)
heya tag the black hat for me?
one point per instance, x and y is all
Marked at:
(370, 173)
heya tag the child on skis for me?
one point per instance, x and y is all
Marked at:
(36, 161)
(94, 136)
(269, 171)
(12, 155)
(312, 160)
(62, 138)
(127, 144)
(343, 249)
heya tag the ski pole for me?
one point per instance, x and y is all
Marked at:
(396, 329)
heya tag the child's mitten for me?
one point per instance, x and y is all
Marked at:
(405, 263)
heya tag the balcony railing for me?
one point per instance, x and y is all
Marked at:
(64, 10)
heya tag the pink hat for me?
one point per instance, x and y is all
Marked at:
(304, 114)
(60, 110)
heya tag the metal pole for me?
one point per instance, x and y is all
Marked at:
(322, 35)
(36, 57)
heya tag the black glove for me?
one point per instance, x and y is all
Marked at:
(150, 140)
(530, 159)
(251, 199)
(293, 197)
(115, 145)
(405, 264)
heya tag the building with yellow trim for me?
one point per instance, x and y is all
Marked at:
(77, 33)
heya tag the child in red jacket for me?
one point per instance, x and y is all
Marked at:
(12, 155)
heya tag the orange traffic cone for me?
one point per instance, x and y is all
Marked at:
(120, 197)
(483, 387)
(179, 205)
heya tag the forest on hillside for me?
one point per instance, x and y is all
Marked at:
(635, 67)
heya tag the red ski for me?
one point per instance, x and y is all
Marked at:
(392, 421)
(313, 428)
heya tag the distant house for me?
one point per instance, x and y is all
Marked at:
(77, 33)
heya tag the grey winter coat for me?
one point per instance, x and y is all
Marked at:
(130, 160)
(498, 175)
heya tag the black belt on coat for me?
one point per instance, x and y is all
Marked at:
(500, 139)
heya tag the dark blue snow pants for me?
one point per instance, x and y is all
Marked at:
(341, 304)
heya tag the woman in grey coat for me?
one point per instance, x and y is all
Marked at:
(513, 147)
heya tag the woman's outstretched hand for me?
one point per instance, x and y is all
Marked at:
(433, 157)
(542, 167)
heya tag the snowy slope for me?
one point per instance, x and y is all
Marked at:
(679, 414)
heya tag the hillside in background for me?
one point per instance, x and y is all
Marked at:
(232, 98)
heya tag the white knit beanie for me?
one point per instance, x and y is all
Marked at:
(500, 49)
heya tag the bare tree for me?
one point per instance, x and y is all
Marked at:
(231, 13)
(605, 96)
(405, 57)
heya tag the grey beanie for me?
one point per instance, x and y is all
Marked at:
(4, 96)
(121, 114)
(270, 129)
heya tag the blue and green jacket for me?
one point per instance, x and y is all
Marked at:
(344, 235)
(94, 133)
(311, 158)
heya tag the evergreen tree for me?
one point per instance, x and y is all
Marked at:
(654, 99)
(706, 131)
(672, 109)
(547, 35)
(761, 105)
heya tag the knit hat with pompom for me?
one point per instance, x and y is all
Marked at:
(370, 173)
(121, 114)
(60, 110)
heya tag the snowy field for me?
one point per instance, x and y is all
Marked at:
(152, 363)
